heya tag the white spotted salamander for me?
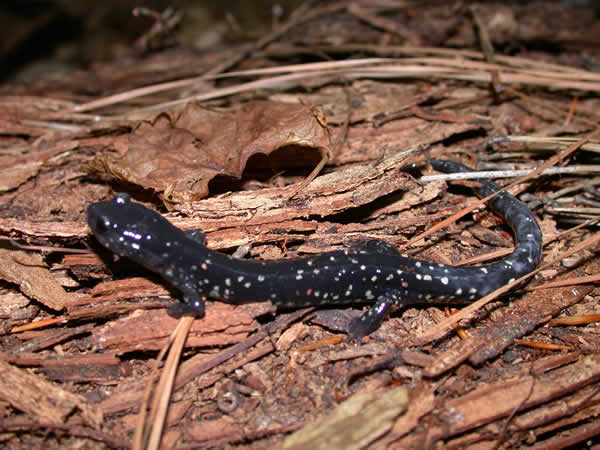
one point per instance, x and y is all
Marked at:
(374, 272)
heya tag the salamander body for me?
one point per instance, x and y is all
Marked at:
(375, 272)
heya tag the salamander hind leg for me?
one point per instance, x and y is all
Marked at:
(375, 246)
(371, 320)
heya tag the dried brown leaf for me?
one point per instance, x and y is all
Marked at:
(178, 156)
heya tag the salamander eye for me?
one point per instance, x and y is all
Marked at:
(121, 198)
(102, 224)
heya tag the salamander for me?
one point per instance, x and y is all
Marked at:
(373, 272)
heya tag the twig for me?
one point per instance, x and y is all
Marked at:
(511, 173)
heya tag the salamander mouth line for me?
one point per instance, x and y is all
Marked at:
(372, 272)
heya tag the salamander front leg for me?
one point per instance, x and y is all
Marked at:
(196, 235)
(192, 305)
(371, 319)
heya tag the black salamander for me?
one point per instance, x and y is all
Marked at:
(375, 272)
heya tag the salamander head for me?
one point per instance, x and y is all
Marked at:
(130, 229)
